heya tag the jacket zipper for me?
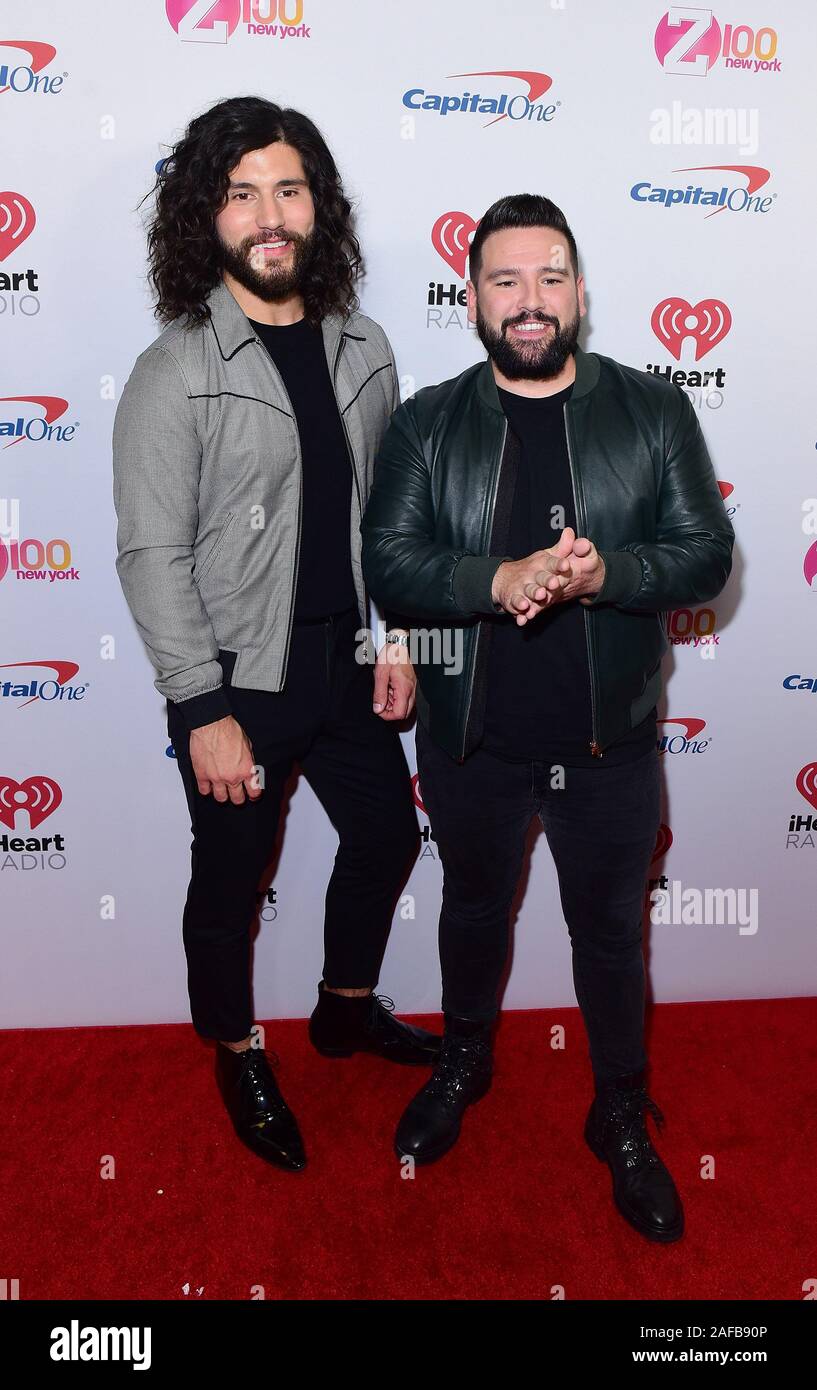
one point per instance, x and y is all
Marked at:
(485, 541)
(581, 522)
(300, 509)
(349, 449)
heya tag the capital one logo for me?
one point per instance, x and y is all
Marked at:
(689, 41)
(806, 783)
(681, 736)
(36, 427)
(17, 222)
(451, 238)
(707, 323)
(39, 796)
(28, 78)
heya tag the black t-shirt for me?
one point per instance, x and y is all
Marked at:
(325, 584)
(538, 704)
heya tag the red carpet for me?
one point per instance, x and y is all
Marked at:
(519, 1207)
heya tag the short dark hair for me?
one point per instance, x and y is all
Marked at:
(520, 210)
(191, 188)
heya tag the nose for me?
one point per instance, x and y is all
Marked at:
(269, 215)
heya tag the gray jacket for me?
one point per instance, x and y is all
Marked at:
(207, 490)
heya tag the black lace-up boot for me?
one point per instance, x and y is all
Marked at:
(342, 1024)
(431, 1124)
(262, 1119)
(616, 1131)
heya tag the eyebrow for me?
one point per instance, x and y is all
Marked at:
(282, 183)
(514, 270)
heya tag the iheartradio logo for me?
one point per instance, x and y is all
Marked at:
(810, 566)
(451, 238)
(415, 787)
(17, 221)
(662, 843)
(707, 323)
(806, 783)
(39, 796)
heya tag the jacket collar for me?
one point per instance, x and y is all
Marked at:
(587, 374)
(233, 330)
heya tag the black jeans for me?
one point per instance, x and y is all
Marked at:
(355, 764)
(601, 827)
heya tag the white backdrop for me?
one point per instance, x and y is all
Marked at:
(604, 107)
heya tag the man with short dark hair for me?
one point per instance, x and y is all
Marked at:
(244, 447)
(550, 504)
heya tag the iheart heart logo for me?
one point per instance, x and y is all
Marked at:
(451, 238)
(40, 796)
(17, 221)
(662, 843)
(415, 787)
(706, 322)
(806, 783)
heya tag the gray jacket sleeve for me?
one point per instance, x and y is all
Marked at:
(156, 468)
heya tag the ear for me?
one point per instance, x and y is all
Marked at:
(580, 296)
(471, 301)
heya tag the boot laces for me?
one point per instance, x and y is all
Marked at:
(459, 1060)
(258, 1086)
(626, 1119)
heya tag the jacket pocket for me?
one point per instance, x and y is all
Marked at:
(199, 571)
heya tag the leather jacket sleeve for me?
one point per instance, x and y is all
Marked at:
(691, 557)
(404, 567)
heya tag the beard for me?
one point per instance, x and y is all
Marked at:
(534, 361)
(273, 282)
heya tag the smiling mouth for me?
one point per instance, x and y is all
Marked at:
(529, 327)
(269, 248)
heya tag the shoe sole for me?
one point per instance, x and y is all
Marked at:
(663, 1237)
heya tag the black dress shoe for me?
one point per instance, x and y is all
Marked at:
(342, 1024)
(262, 1119)
(431, 1123)
(616, 1132)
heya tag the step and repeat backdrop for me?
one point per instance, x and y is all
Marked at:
(678, 141)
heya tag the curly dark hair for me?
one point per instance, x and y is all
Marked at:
(191, 188)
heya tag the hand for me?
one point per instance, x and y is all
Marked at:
(395, 682)
(223, 762)
(589, 566)
(524, 588)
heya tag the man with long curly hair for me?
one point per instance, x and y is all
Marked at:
(244, 448)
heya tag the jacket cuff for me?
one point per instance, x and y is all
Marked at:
(396, 620)
(622, 578)
(204, 709)
(472, 580)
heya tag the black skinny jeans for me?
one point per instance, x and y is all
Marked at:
(601, 828)
(355, 764)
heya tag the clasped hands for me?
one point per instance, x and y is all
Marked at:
(572, 568)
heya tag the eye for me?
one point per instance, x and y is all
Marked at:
(240, 193)
(289, 192)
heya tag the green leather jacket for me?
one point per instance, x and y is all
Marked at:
(436, 524)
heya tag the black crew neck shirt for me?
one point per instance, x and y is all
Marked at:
(325, 583)
(538, 703)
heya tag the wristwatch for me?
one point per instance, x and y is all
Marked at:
(400, 637)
